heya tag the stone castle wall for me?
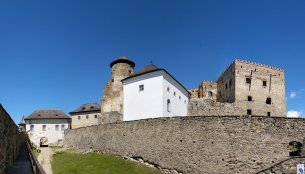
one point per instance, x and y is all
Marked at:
(286, 166)
(10, 140)
(212, 144)
(112, 99)
(209, 107)
(274, 89)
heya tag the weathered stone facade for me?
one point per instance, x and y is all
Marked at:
(85, 115)
(10, 140)
(112, 98)
(209, 107)
(212, 144)
(254, 89)
(287, 166)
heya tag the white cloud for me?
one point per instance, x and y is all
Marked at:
(294, 114)
(293, 94)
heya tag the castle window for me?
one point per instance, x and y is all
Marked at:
(179, 97)
(78, 117)
(168, 105)
(87, 116)
(210, 93)
(174, 93)
(248, 80)
(167, 89)
(112, 80)
(141, 87)
(226, 86)
(269, 114)
(268, 101)
(32, 127)
(230, 83)
(184, 101)
(62, 127)
(44, 127)
(57, 127)
(264, 83)
(95, 116)
(249, 98)
(249, 112)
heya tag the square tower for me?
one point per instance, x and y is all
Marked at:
(255, 89)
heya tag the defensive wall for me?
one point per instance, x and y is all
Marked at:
(211, 144)
(10, 140)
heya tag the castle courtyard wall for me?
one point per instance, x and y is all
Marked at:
(212, 144)
(10, 140)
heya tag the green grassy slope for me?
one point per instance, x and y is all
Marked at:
(70, 162)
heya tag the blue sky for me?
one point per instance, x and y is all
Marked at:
(56, 54)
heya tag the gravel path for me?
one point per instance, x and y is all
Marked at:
(45, 158)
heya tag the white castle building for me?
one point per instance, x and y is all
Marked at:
(153, 92)
(46, 127)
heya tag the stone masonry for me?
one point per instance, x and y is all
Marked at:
(112, 98)
(193, 145)
(254, 89)
(10, 140)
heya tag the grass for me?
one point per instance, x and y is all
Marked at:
(35, 152)
(78, 163)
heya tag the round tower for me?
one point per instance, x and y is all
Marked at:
(121, 68)
(112, 99)
(22, 125)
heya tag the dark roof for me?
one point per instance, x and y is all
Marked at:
(50, 114)
(87, 108)
(123, 59)
(148, 69)
(152, 68)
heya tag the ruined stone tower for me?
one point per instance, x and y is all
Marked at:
(112, 99)
(244, 88)
(255, 88)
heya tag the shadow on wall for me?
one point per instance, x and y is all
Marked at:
(10, 140)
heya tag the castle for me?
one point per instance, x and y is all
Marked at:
(135, 91)
(244, 88)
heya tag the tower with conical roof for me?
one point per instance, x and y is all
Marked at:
(112, 99)
(22, 125)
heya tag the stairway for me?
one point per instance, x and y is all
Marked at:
(23, 163)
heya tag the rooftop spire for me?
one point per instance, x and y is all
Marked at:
(22, 120)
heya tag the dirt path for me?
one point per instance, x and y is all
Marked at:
(45, 158)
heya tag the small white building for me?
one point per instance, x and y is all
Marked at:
(85, 115)
(152, 93)
(46, 127)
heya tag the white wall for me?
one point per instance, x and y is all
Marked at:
(179, 102)
(143, 104)
(51, 134)
(152, 102)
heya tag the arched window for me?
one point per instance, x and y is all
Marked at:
(168, 105)
(210, 93)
